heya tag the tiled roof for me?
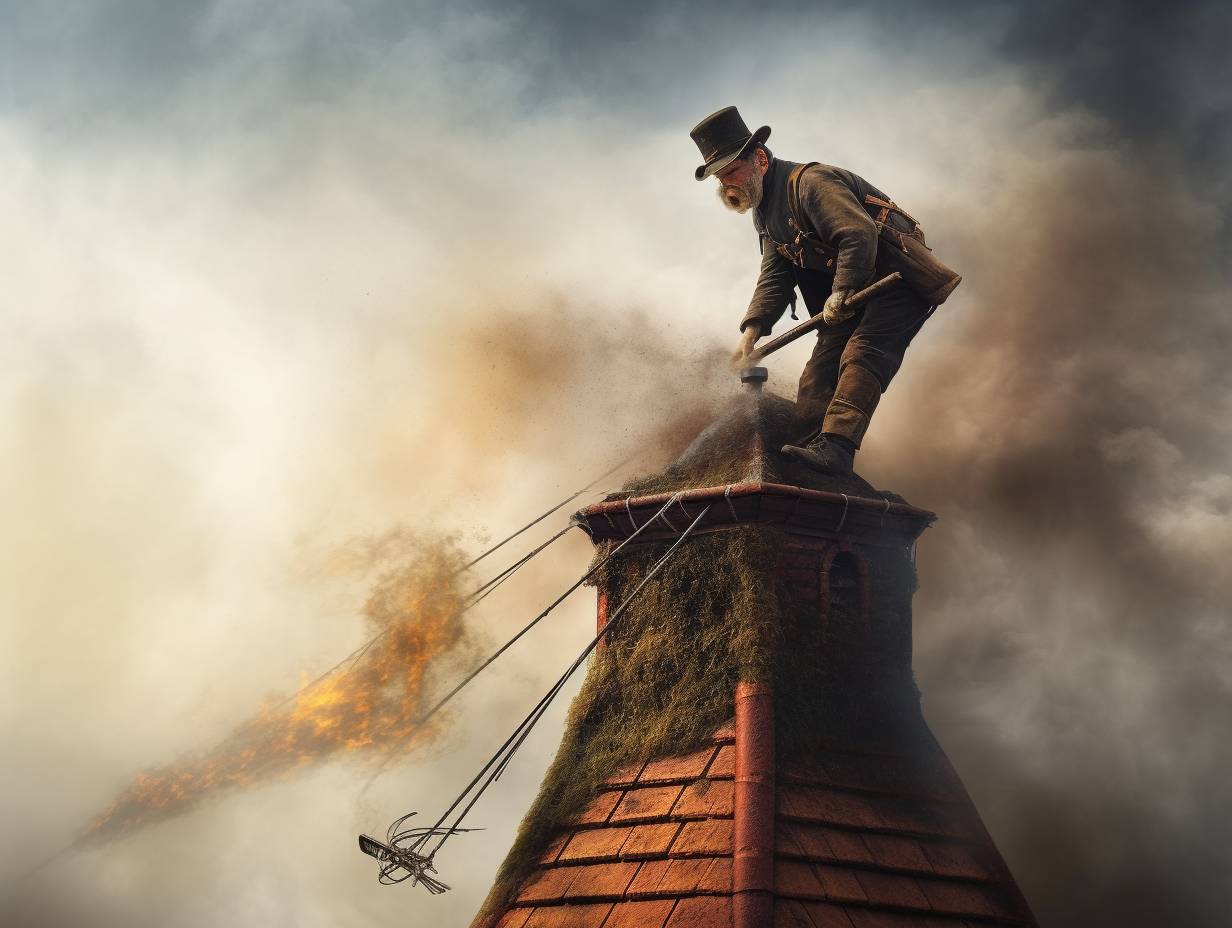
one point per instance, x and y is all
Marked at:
(873, 830)
(862, 840)
(652, 850)
(886, 839)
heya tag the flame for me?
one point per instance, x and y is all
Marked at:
(369, 706)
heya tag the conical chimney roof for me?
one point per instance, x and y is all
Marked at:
(748, 749)
(742, 446)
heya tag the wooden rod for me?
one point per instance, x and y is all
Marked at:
(816, 322)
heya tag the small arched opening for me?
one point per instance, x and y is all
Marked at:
(845, 597)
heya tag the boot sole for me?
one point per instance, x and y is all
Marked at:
(811, 460)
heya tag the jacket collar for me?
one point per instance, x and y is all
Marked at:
(771, 190)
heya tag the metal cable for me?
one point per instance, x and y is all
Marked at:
(512, 641)
(533, 522)
(478, 595)
(355, 656)
(496, 765)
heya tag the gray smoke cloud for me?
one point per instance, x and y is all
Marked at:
(287, 274)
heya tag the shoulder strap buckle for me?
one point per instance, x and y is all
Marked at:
(886, 207)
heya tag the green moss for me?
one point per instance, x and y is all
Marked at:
(709, 473)
(666, 677)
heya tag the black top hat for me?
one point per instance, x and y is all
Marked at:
(723, 137)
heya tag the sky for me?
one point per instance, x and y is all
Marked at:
(286, 281)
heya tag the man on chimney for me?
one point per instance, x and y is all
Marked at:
(829, 233)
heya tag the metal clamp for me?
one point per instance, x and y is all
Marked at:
(727, 496)
(843, 518)
(663, 512)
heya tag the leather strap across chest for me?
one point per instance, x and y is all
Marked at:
(806, 242)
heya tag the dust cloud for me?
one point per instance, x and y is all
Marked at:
(278, 279)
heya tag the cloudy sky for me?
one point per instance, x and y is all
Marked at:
(281, 279)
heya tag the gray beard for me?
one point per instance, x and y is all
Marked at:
(742, 198)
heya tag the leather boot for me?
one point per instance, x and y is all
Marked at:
(844, 425)
(823, 454)
(855, 399)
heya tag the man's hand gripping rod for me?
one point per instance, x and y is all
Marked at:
(816, 322)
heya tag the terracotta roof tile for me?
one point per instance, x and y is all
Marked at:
(825, 915)
(840, 884)
(644, 803)
(651, 913)
(646, 882)
(702, 912)
(718, 877)
(797, 879)
(955, 860)
(787, 842)
(885, 774)
(569, 916)
(683, 874)
(958, 898)
(709, 836)
(705, 799)
(599, 809)
(514, 918)
(600, 880)
(686, 767)
(789, 913)
(815, 804)
(847, 846)
(724, 764)
(553, 850)
(625, 775)
(819, 843)
(649, 840)
(877, 918)
(891, 889)
(726, 732)
(897, 853)
(915, 816)
(594, 844)
(547, 885)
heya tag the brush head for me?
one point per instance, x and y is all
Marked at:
(754, 377)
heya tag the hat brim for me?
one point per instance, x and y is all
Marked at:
(718, 164)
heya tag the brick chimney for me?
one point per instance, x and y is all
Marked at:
(748, 749)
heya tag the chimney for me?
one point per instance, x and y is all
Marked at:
(748, 748)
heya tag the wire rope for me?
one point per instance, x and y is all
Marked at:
(412, 855)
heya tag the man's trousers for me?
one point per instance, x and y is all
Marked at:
(853, 364)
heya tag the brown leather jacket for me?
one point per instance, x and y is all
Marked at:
(832, 199)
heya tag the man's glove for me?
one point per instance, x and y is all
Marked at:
(748, 338)
(834, 312)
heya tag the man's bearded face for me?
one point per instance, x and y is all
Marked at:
(741, 184)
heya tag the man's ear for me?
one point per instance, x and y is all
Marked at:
(763, 160)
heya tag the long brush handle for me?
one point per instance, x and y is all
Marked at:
(816, 322)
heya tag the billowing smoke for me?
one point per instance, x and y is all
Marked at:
(1071, 425)
(524, 371)
(1072, 635)
(277, 278)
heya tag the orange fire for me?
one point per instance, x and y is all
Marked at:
(370, 704)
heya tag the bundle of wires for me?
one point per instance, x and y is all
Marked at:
(405, 854)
